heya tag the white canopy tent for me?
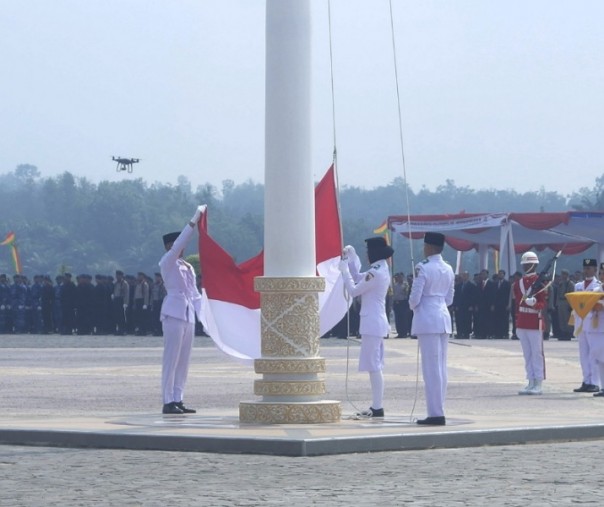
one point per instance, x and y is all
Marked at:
(509, 233)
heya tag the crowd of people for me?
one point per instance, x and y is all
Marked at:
(103, 304)
(482, 307)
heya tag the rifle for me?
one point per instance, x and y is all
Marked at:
(544, 279)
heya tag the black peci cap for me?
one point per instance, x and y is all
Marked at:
(170, 237)
(434, 238)
(378, 249)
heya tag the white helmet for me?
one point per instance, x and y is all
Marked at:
(529, 258)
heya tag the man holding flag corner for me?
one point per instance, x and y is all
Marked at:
(178, 313)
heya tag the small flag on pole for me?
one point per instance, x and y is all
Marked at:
(9, 240)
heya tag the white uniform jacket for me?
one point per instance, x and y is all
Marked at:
(431, 293)
(594, 285)
(182, 300)
(372, 286)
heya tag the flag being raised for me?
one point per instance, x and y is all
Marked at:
(231, 308)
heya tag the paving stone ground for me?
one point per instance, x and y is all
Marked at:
(75, 376)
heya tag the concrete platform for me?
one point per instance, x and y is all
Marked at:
(67, 392)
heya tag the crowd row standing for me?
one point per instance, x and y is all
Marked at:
(120, 305)
(482, 305)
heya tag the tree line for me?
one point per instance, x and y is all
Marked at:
(68, 223)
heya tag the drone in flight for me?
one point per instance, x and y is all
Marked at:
(125, 164)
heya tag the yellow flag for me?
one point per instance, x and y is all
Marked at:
(583, 302)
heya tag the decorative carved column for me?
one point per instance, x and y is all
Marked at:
(291, 386)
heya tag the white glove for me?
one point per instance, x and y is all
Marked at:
(348, 252)
(112, 296)
(21, 307)
(39, 308)
(343, 266)
(125, 306)
(2, 307)
(144, 307)
(200, 209)
(531, 301)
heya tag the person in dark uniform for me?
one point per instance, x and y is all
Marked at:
(47, 299)
(35, 305)
(5, 305)
(100, 305)
(68, 304)
(121, 297)
(483, 327)
(57, 309)
(85, 304)
(563, 309)
(158, 293)
(400, 301)
(466, 302)
(501, 306)
(18, 302)
(515, 277)
(141, 304)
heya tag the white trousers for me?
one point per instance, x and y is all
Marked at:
(591, 372)
(532, 348)
(178, 342)
(433, 349)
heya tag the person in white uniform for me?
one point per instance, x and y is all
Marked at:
(585, 336)
(595, 335)
(372, 287)
(178, 312)
(431, 293)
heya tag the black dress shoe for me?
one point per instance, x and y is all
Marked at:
(171, 408)
(591, 388)
(433, 421)
(184, 409)
(600, 393)
(582, 389)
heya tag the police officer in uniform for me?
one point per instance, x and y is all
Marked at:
(5, 302)
(431, 293)
(529, 324)
(591, 372)
(372, 286)
(181, 304)
(400, 302)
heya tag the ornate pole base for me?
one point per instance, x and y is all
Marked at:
(291, 388)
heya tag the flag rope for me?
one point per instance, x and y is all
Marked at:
(336, 178)
(407, 202)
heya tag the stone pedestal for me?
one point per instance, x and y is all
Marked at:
(291, 386)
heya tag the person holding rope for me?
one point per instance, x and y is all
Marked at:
(431, 293)
(372, 286)
(529, 324)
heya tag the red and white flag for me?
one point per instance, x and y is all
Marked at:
(230, 306)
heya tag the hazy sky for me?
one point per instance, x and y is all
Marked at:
(495, 93)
